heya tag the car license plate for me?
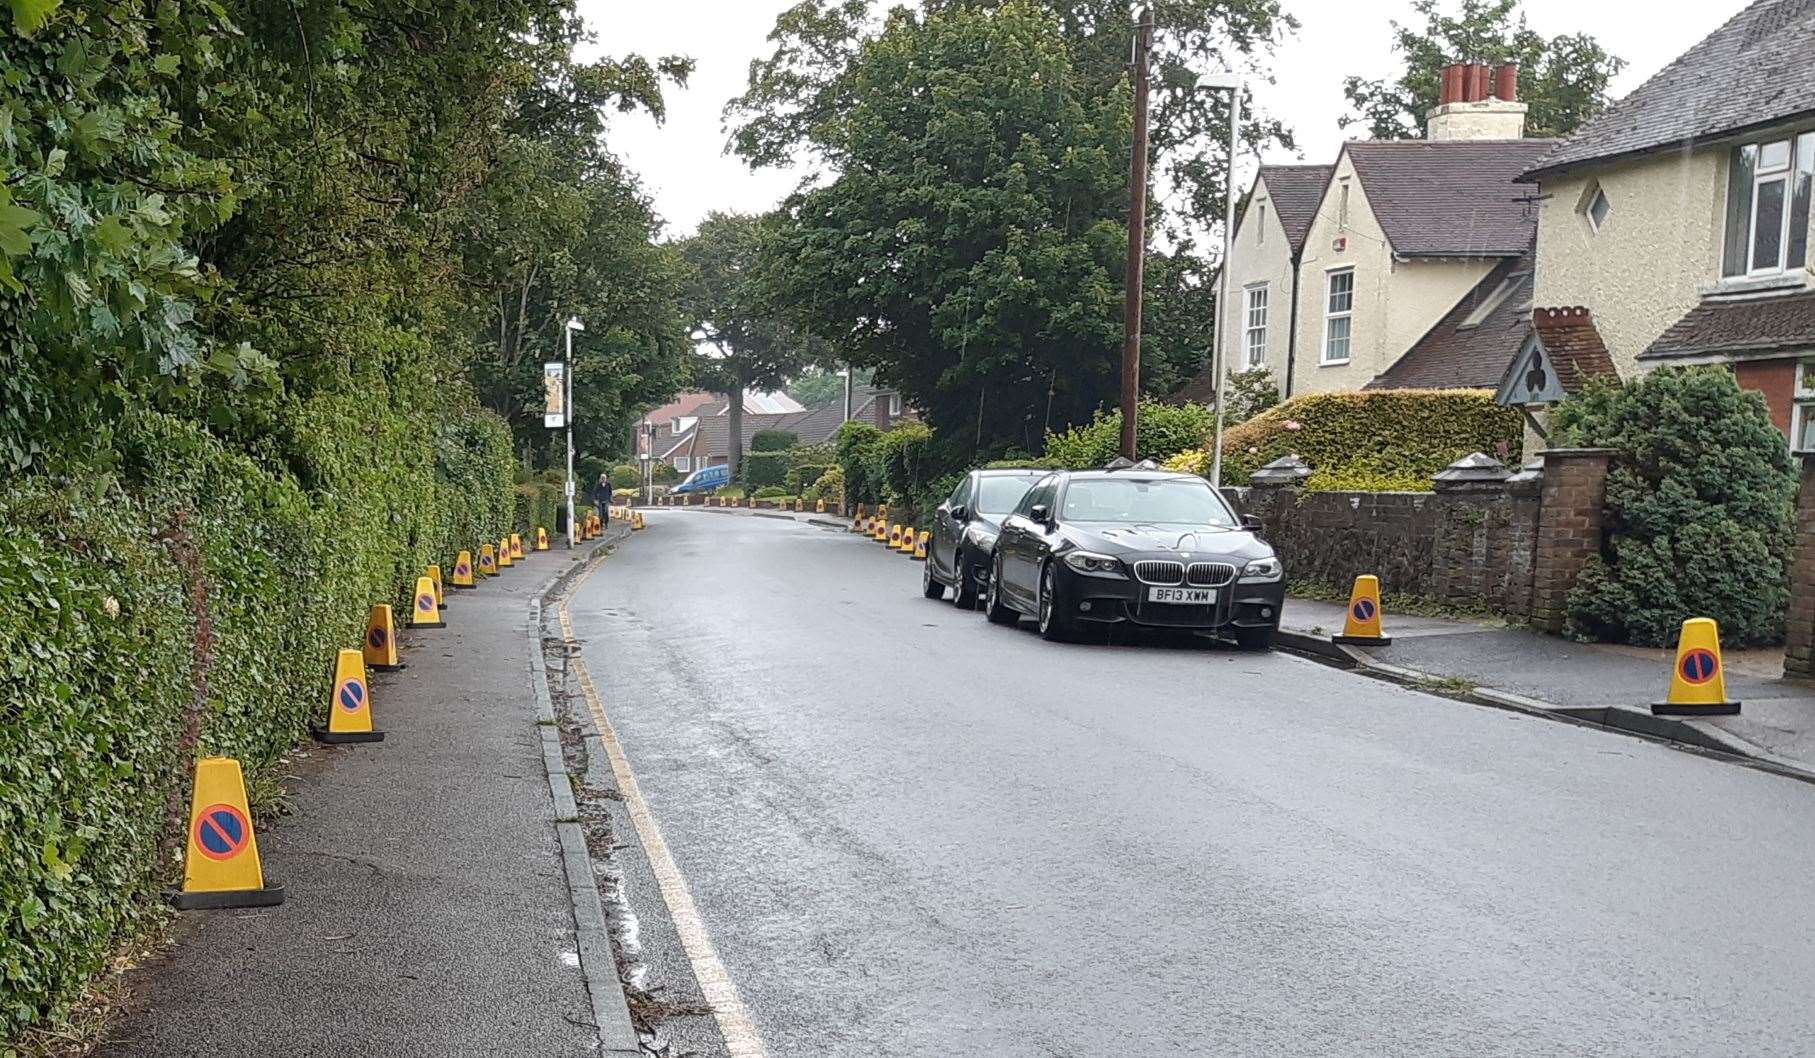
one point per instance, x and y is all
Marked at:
(1182, 596)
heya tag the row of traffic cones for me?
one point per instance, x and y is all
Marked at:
(221, 866)
(1698, 680)
(899, 538)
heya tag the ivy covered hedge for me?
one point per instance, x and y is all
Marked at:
(1161, 432)
(899, 467)
(179, 597)
(1371, 440)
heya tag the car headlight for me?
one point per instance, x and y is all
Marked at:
(1262, 571)
(1094, 565)
(980, 539)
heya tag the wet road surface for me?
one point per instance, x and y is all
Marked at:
(909, 832)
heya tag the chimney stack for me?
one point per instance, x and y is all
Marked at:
(1476, 101)
(1506, 82)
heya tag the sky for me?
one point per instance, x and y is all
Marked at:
(684, 168)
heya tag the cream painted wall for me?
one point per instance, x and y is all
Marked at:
(1396, 302)
(1261, 254)
(1647, 265)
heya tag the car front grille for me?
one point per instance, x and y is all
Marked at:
(1159, 571)
(1210, 574)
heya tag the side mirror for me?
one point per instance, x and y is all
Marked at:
(1252, 523)
(1040, 513)
(959, 513)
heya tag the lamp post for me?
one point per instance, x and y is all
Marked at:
(1232, 82)
(1137, 236)
(573, 324)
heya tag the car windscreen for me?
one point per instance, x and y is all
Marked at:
(998, 494)
(1130, 501)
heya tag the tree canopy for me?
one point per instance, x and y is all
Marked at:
(1562, 79)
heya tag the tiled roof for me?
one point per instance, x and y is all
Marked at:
(1296, 190)
(1739, 327)
(1754, 70)
(1574, 344)
(1452, 198)
(1454, 355)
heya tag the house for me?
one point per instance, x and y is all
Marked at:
(1673, 228)
(703, 437)
(1399, 264)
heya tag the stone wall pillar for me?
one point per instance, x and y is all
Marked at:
(1569, 529)
(1799, 629)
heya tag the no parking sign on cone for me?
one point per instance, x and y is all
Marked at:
(349, 704)
(1698, 684)
(221, 866)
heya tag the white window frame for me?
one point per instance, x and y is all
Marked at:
(1254, 323)
(683, 464)
(894, 404)
(1760, 177)
(1802, 403)
(1342, 209)
(1260, 230)
(1599, 195)
(1329, 278)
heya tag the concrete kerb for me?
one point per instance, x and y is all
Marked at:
(598, 966)
(1694, 736)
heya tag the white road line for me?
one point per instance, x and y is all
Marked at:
(741, 1038)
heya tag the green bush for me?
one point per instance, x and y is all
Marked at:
(829, 487)
(772, 492)
(801, 476)
(1162, 431)
(1250, 393)
(1388, 437)
(858, 456)
(664, 474)
(762, 469)
(906, 464)
(540, 504)
(1700, 509)
(624, 476)
(773, 441)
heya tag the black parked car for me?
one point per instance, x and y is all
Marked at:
(964, 532)
(1137, 546)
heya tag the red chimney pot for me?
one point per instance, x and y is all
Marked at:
(1453, 76)
(1506, 82)
(1478, 79)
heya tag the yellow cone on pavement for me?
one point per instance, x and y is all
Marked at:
(425, 612)
(488, 561)
(541, 539)
(434, 572)
(516, 547)
(908, 536)
(504, 555)
(1361, 627)
(221, 867)
(349, 704)
(381, 640)
(819, 506)
(894, 537)
(1698, 684)
(920, 544)
(463, 570)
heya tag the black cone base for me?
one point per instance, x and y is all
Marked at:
(269, 896)
(341, 738)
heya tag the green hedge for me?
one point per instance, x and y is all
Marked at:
(624, 476)
(802, 475)
(773, 441)
(1161, 432)
(98, 635)
(763, 469)
(899, 468)
(1372, 440)
(540, 504)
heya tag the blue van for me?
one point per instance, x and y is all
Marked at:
(705, 479)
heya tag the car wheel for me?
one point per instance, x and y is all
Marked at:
(1255, 638)
(929, 584)
(1053, 627)
(964, 596)
(993, 607)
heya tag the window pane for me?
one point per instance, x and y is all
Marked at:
(1739, 210)
(1774, 156)
(1805, 379)
(1342, 291)
(1598, 209)
(1767, 227)
(1799, 200)
(1336, 345)
(1805, 428)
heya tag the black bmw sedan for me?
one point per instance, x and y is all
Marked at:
(1135, 546)
(964, 532)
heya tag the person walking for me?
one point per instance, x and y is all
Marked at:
(601, 496)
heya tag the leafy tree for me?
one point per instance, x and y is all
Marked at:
(1700, 508)
(818, 386)
(1563, 79)
(731, 311)
(1250, 393)
(970, 250)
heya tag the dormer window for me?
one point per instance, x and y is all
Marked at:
(1768, 186)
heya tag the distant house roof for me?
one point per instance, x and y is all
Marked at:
(1199, 389)
(1574, 345)
(1738, 327)
(1751, 72)
(1471, 346)
(1450, 198)
(1296, 191)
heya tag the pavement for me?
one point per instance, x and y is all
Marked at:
(428, 912)
(1612, 685)
(905, 832)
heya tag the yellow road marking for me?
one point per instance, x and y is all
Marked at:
(741, 1038)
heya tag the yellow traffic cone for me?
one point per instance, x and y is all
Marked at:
(1362, 626)
(463, 570)
(920, 543)
(880, 530)
(488, 561)
(908, 535)
(381, 640)
(504, 556)
(894, 540)
(541, 538)
(425, 611)
(349, 705)
(516, 547)
(1698, 685)
(819, 506)
(221, 866)
(434, 572)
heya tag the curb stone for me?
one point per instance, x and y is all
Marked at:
(598, 966)
(1696, 736)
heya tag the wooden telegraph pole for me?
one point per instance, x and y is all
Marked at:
(1137, 236)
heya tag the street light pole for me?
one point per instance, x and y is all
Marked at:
(1137, 236)
(1219, 329)
(572, 538)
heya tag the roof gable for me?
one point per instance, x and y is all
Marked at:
(1450, 198)
(1753, 71)
(1471, 345)
(1296, 191)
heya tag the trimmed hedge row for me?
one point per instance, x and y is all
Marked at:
(1161, 431)
(184, 598)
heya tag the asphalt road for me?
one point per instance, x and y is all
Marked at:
(912, 833)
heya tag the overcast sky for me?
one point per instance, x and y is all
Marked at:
(683, 165)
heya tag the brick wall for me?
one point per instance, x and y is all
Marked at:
(1776, 379)
(1569, 529)
(1799, 628)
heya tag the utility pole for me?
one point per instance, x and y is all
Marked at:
(1137, 236)
(572, 326)
(1222, 325)
(848, 372)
